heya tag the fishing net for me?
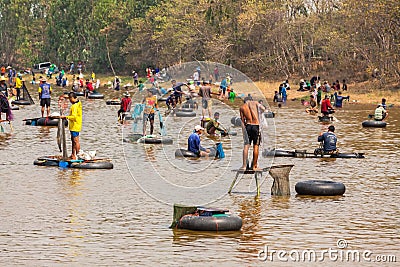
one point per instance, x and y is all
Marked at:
(135, 116)
(26, 95)
(180, 211)
(280, 174)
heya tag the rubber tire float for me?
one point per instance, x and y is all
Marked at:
(320, 188)
(155, 140)
(96, 96)
(113, 102)
(375, 124)
(14, 108)
(189, 154)
(185, 114)
(236, 121)
(219, 222)
(20, 102)
(88, 164)
(44, 122)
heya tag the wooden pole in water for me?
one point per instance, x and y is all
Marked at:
(64, 142)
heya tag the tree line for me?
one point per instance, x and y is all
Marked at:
(264, 39)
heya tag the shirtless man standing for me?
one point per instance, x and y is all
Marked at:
(251, 130)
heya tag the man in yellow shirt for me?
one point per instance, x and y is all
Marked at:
(18, 85)
(75, 123)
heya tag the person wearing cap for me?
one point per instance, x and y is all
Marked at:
(213, 125)
(3, 86)
(194, 142)
(44, 95)
(249, 114)
(74, 123)
(126, 104)
(380, 113)
(18, 85)
(328, 140)
(150, 105)
(206, 102)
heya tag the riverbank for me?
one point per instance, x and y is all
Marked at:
(359, 93)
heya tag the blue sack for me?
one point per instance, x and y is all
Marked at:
(63, 164)
(220, 151)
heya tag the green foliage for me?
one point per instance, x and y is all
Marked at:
(261, 38)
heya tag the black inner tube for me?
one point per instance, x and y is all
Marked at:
(320, 188)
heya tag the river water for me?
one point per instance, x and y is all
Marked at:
(53, 216)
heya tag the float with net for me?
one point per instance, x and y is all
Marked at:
(205, 219)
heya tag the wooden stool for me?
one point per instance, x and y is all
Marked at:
(256, 173)
(280, 174)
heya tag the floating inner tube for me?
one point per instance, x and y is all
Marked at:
(152, 139)
(185, 114)
(278, 153)
(185, 153)
(85, 164)
(185, 110)
(14, 108)
(113, 102)
(376, 124)
(96, 96)
(216, 222)
(236, 121)
(232, 133)
(320, 188)
(305, 154)
(162, 99)
(44, 122)
(78, 93)
(20, 102)
(189, 154)
(325, 118)
(269, 114)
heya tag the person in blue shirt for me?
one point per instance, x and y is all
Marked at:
(339, 99)
(328, 140)
(177, 87)
(194, 142)
(284, 94)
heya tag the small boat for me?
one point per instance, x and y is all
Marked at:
(305, 154)
(209, 219)
(43, 122)
(57, 161)
(374, 124)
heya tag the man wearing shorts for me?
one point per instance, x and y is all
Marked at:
(44, 96)
(74, 122)
(251, 130)
(150, 103)
(206, 102)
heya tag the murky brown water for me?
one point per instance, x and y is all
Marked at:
(121, 216)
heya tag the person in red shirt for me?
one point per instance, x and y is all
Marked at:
(126, 104)
(326, 107)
